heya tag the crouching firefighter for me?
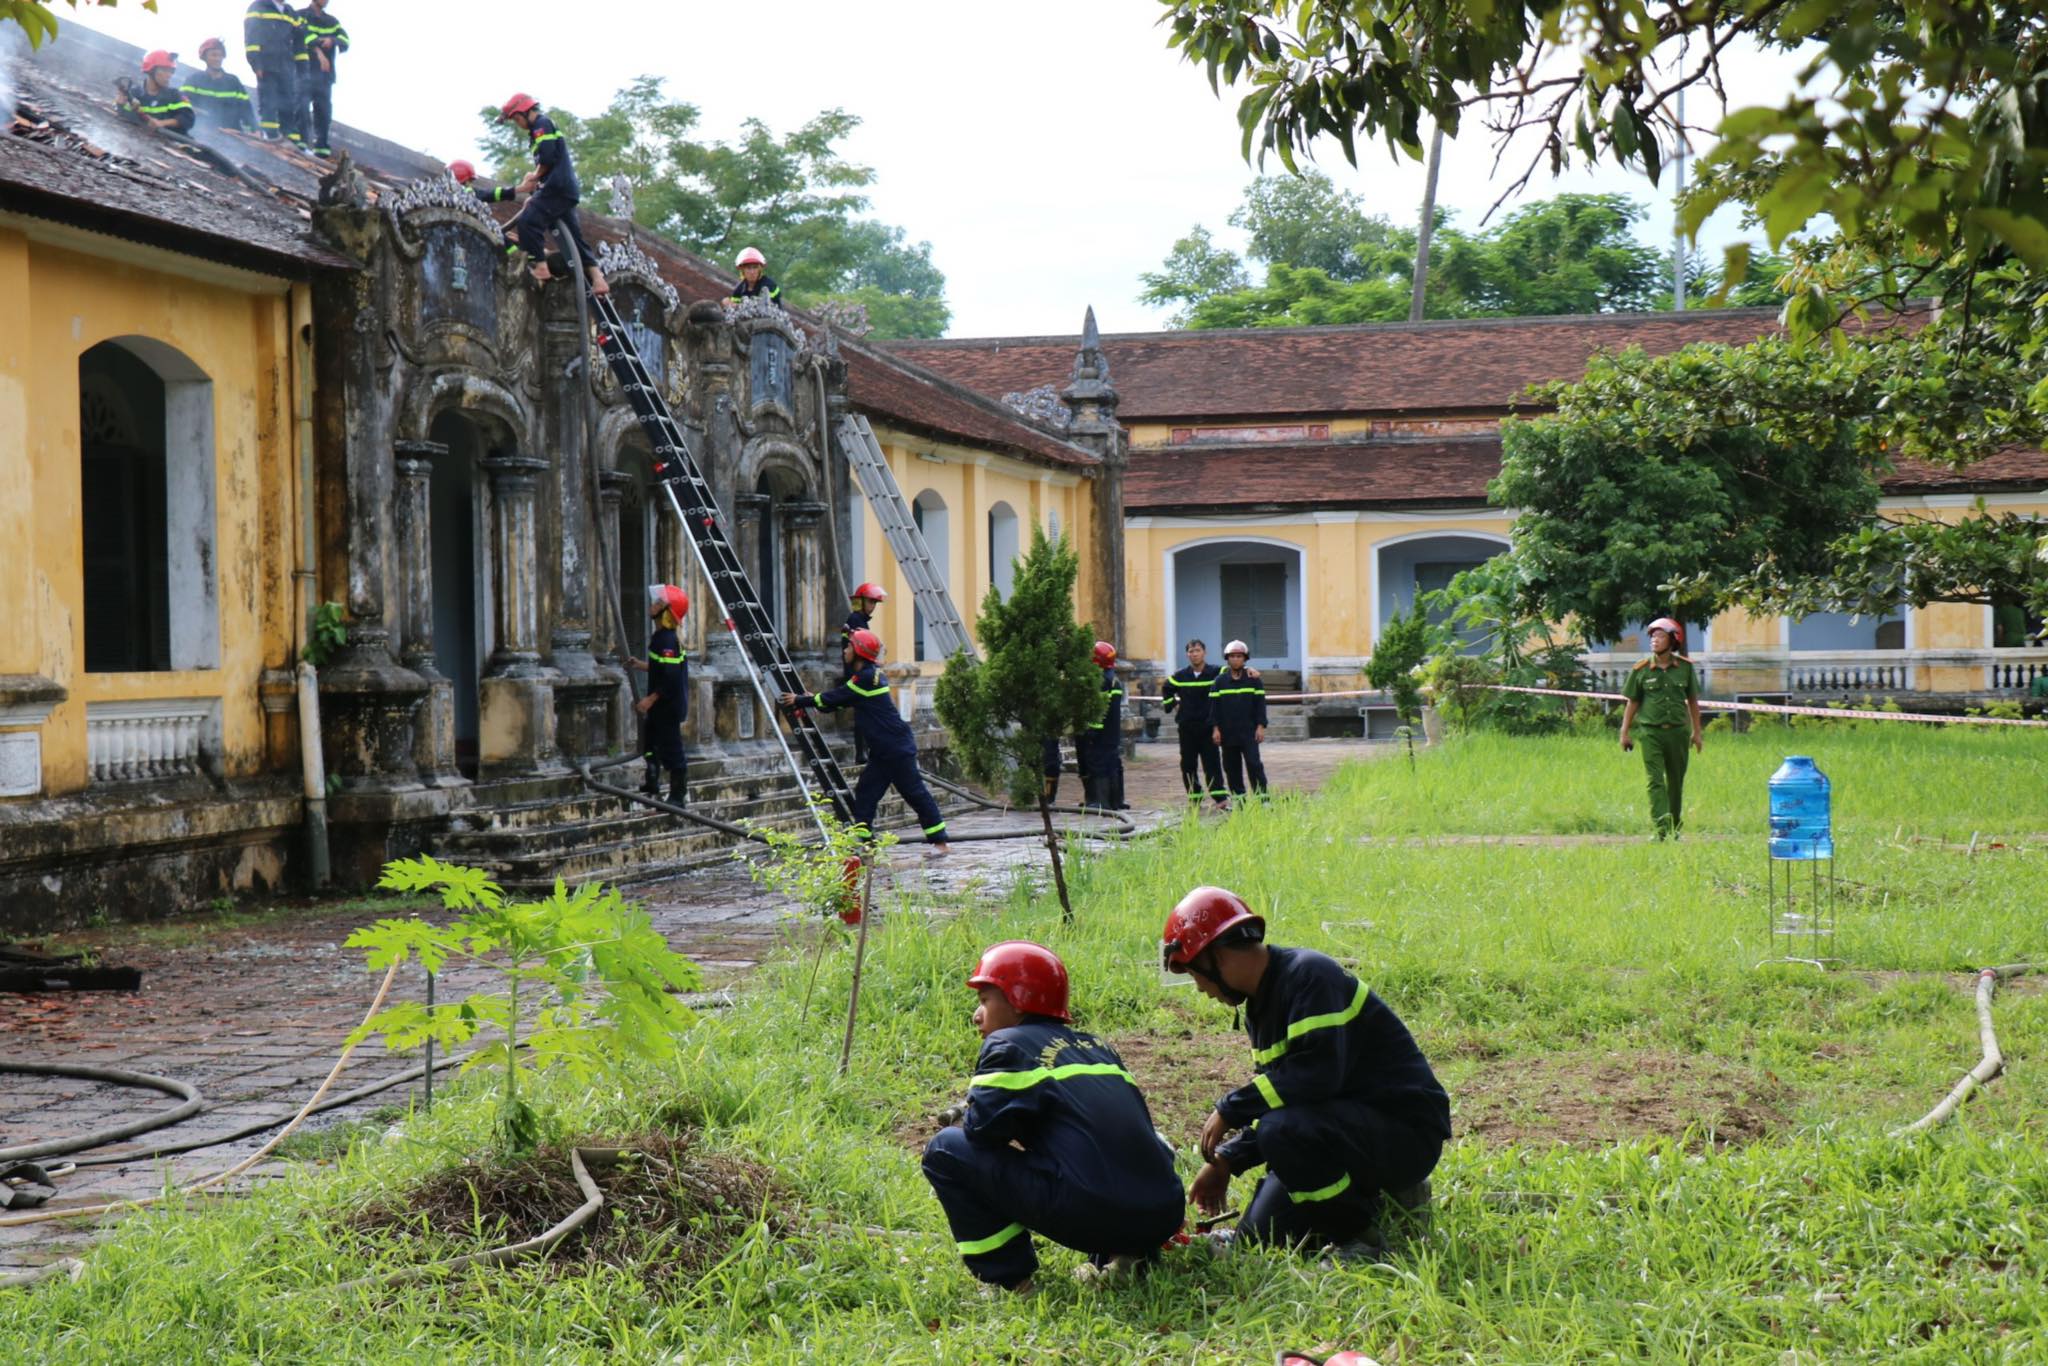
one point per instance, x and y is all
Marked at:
(1342, 1107)
(891, 748)
(1087, 1170)
(667, 703)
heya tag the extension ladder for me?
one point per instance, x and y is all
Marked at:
(690, 498)
(945, 634)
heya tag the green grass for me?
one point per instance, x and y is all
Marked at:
(1825, 1240)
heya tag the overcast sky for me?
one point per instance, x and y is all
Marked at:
(1050, 151)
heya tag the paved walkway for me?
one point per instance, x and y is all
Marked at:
(253, 1010)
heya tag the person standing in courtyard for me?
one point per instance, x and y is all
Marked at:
(1238, 706)
(1342, 1109)
(1189, 701)
(1663, 694)
(1100, 747)
(667, 703)
(1056, 1139)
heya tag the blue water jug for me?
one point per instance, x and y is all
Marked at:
(1801, 812)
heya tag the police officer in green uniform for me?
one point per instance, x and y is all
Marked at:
(1664, 692)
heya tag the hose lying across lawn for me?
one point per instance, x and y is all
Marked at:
(1993, 1061)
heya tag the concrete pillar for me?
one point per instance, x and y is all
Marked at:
(21, 643)
(411, 521)
(803, 574)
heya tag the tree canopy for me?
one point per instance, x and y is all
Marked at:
(1327, 260)
(795, 196)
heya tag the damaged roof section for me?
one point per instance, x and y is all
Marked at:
(67, 156)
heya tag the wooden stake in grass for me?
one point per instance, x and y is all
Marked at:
(860, 953)
(1036, 680)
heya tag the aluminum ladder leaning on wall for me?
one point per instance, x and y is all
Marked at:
(945, 633)
(689, 496)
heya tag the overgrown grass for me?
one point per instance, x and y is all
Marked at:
(1824, 1240)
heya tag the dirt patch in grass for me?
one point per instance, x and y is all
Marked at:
(1184, 1073)
(1585, 1099)
(674, 1210)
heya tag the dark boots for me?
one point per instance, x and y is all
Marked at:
(678, 788)
(650, 784)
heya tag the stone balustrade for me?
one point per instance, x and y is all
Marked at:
(159, 738)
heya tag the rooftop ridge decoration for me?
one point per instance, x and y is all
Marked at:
(442, 192)
(850, 318)
(626, 261)
(620, 191)
(758, 310)
(1041, 404)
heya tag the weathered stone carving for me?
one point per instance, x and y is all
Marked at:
(621, 193)
(1042, 405)
(344, 186)
(444, 193)
(850, 318)
(624, 261)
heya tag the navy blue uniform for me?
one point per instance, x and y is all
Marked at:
(661, 726)
(763, 288)
(1343, 1104)
(856, 620)
(891, 749)
(167, 104)
(1101, 749)
(323, 34)
(555, 200)
(271, 43)
(1049, 765)
(1188, 703)
(1093, 1174)
(220, 101)
(1237, 707)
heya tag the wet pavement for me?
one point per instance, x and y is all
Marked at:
(252, 1009)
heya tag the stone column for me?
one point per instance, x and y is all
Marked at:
(517, 721)
(434, 735)
(611, 503)
(750, 511)
(803, 574)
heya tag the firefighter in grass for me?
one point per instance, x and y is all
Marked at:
(1100, 748)
(667, 703)
(1342, 1107)
(1663, 695)
(1056, 1140)
(1188, 699)
(892, 749)
(1237, 705)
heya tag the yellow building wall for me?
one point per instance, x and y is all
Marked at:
(970, 483)
(57, 302)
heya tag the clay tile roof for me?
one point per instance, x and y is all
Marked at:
(2013, 469)
(1437, 367)
(1450, 473)
(65, 155)
(884, 386)
(1362, 474)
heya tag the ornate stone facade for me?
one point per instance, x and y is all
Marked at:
(486, 508)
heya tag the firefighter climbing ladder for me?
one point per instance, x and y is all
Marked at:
(696, 508)
(945, 634)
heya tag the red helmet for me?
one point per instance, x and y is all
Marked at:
(750, 257)
(867, 645)
(1031, 977)
(670, 596)
(518, 104)
(159, 59)
(871, 591)
(1105, 653)
(1667, 624)
(462, 171)
(1203, 915)
(212, 42)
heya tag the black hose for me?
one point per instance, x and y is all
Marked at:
(113, 1076)
(1104, 813)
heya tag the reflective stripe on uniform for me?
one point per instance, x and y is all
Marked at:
(1265, 1085)
(976, 1246)
(882, 691)
(1236, 692)
(1310, 1023)
(201, 90)
(159, 110)
(1024, 1081)
(546, 137)
(938, 829)
(1329, 1192)
(664, 659)
(1188, 683)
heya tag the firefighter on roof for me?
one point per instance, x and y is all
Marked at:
(891, 748)
(1056, 1140)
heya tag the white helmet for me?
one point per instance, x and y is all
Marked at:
(1237, 647)
(750, 257)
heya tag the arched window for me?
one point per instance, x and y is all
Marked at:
(1002, 548)
(928, 510)
(146, 509)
